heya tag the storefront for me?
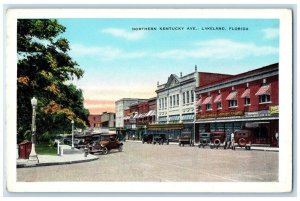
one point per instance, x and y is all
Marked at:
(172, 130)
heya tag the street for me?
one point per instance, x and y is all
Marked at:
(166, 163)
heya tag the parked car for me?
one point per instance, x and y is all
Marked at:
(204, 139)
(105, 144)
(243, 138)
(147, 138)
(217, 139)
(160, 139)
(185, 138)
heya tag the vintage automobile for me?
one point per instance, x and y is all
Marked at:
(106, 143)
(217, 138)
(243, 138)
(147, 138)
(185, 138)
(204, 139)
(160, 139)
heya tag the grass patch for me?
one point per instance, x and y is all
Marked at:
(42, 149)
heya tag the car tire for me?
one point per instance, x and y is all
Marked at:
(242, 142)
(104, 150)
(217, 142)
(120, 148)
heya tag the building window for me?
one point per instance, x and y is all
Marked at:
(177, 99)
(170, 101)
(183, 98)
(187, 97)
(219, 105)
(233, 103)
(246, 101)
(162, 103)
(192, 96)
(166, 102)
(264, 98)
(159, 103)
(199, 108)
(174, 101)
(208, 106)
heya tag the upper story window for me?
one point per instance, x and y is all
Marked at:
(187, 97)
(246, 96)
(246, 101)
(177, 99)
(170, 101)
(192, 96)
(159, 103)
(233, 103)
(183, 98)
(166, 102)
(174, 101)
(264, 93)
(162, 103)
(219, 105)
(208, 106)
(232, 99)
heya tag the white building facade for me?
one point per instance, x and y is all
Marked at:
(175, 104)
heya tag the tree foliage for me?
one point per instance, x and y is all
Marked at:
(44, 69)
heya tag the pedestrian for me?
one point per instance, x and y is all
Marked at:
(227, 140)
(232, 141)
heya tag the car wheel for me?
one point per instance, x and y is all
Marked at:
(121, 148)
(104, 150)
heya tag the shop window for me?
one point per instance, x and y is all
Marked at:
(233, 103)
(246, 101)
(264, 98)
(219, 105)
(208, 106)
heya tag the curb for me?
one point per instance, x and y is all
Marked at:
(55, 163)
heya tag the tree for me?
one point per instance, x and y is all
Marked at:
(44, 69)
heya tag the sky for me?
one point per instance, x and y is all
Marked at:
(122, 59)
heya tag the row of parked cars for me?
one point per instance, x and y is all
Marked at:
(242, 138)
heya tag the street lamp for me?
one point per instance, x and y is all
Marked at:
(72, 134)
(33, 156)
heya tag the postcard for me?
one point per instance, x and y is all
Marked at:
(149, 100)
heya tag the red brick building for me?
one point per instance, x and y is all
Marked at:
(95, 120)
(248, 100)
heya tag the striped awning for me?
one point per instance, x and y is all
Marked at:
(264, 90)
(218, 99)
(199, 102)
(232, 96)
(246, 94)
(150, 113)
(207, 100)
(126, 117)
(188, 117)
(136, 116)
(174, 118)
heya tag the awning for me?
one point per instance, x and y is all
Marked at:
(264, 90)
(246, 94)
(172, 126)
(150, 113)
(232, 96)
(136, 116)
(218, 99)
(207, 100)
(126, 117)
(188, 117)
(174, 118)
(199, 102)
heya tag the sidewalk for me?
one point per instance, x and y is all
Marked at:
(69, 157)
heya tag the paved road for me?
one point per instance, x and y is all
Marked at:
(147, 162)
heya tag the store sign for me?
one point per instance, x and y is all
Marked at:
(218, 115)
(262, 113)
(274, 109)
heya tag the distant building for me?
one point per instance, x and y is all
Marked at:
(108, 120)
(94, 120)
(122, 105)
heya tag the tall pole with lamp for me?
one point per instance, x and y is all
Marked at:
(33, 156)
(72, 134)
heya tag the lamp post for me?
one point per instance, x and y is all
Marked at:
(72, 134)
(33, 156)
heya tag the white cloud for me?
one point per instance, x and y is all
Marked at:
(122, 33)
(106, 53)
(220, 49)
(270, 33)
